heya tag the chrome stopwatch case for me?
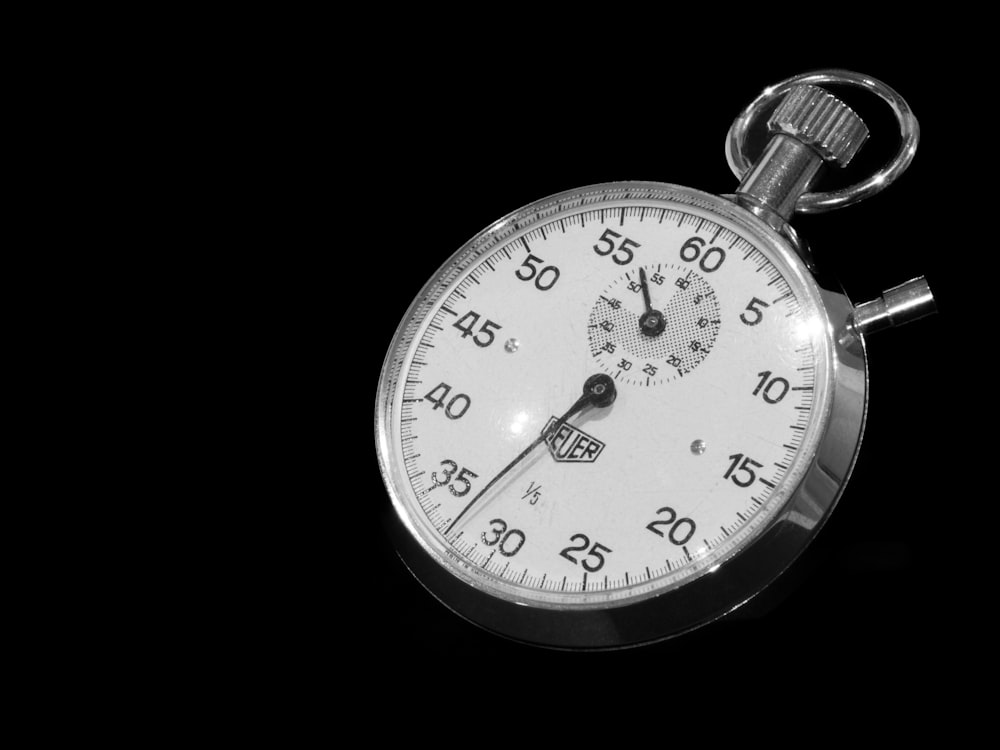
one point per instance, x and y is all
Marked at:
(621, 411)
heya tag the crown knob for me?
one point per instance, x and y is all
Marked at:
(821, 121)
(809, 127)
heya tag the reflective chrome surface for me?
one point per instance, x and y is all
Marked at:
(902, 304)
(821, 202)
(783, 173)
(720, 589)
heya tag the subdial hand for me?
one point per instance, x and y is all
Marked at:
(598, 390)
(651, 322)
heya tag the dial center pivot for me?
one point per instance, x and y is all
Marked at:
(601, 390)
(652, 323)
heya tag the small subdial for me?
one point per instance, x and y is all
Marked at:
(654, 324)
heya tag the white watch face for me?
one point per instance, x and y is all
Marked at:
(714, 343)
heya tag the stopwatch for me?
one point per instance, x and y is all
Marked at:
(620, 412)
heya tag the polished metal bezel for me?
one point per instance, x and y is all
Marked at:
(708, 596)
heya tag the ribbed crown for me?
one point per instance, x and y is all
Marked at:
(820, 120)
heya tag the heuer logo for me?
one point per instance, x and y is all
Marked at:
(571, 444)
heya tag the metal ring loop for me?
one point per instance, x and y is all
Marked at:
(814, 203)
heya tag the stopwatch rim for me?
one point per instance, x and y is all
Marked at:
(707, 597)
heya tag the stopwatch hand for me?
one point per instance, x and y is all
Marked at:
(651, 322)
(598, 390)
(645, 290)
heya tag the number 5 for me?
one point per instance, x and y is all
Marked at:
(756, 315)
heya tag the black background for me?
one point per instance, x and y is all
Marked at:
(454, 143)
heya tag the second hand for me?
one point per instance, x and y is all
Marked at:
(652, 322)
(598, 390)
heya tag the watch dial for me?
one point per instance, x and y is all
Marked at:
(711, 339)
